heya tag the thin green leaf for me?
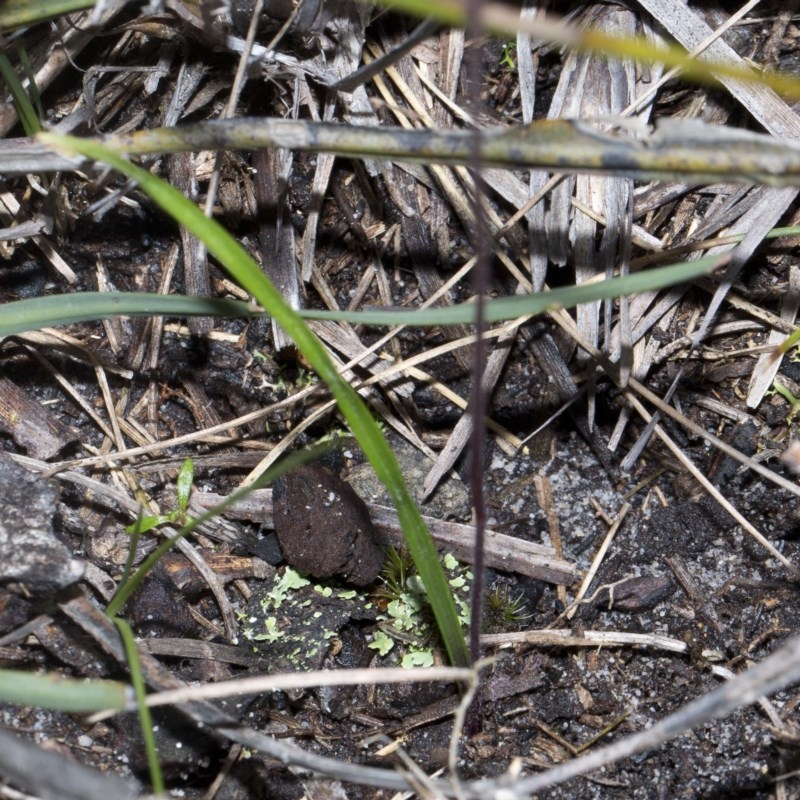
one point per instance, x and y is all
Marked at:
(135, 531)
(145, 718)
(27, 114)
(504, 20)
(787, 344)
(506, 308)
(40, 312)
(101, 305)
(18, 13)
(145, 524)
(61, 694)
(184, 484)
(33, 89)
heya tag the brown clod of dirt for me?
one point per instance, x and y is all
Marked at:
(324, 527)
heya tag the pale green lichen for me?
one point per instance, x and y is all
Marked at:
(272, 633)
(292, 621)
(450, 562)
(289, 581)
(381, 642)
(408, 617)
(417, 658)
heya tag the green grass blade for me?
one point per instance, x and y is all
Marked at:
(26, 315)
(33, 91)
(135, 531)
(506, 308)
(145, 718)
(25, 110)
(247, 273)
(18, 13)
(788, 343)
(39, 312)
(61, 694)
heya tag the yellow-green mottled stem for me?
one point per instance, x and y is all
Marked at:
(673, 150)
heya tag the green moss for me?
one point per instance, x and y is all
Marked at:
(503, 611)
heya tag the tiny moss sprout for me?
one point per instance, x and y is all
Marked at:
(396, 569)
(306, 378)
(502, 610)
(507, 59)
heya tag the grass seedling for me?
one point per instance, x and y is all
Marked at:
(178, 515)
(507, 59)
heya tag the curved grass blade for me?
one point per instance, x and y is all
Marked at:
(25, 110)
(507, 308)
(36, 98)
(501, 19)
(18, 13)
(504, 20)
(25, 315)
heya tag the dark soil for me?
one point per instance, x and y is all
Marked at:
(679, 565)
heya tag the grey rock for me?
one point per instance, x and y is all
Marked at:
(449, 501)
(30, 552)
